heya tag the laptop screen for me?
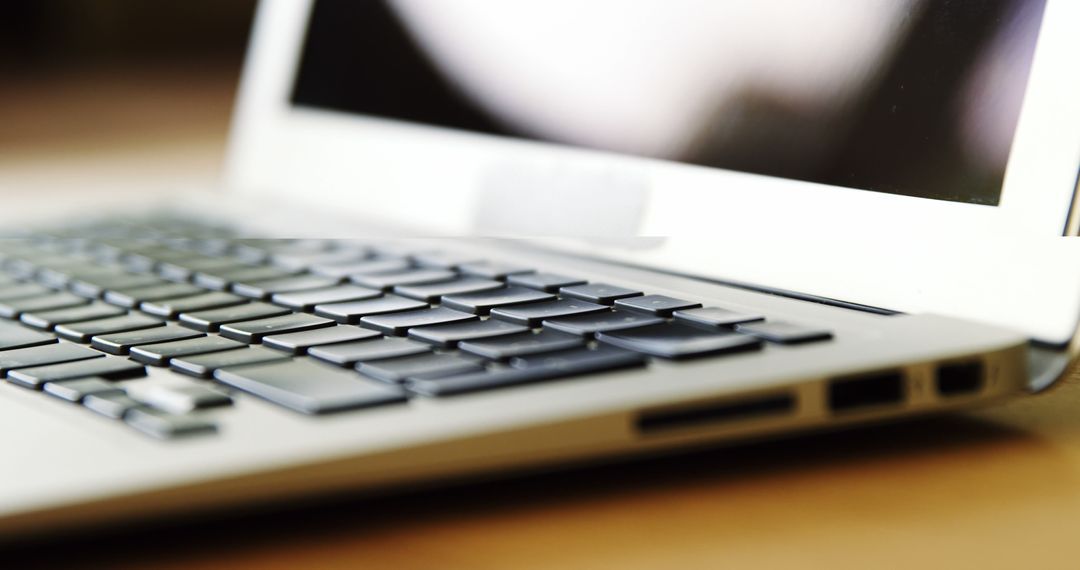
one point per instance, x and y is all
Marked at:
(912, 97)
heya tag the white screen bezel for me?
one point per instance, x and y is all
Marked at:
(385, 169)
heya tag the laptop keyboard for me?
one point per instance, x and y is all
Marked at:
(318, 326)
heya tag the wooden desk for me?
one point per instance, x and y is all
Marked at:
(995, 489)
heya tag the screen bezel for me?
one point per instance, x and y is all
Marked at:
(386, 169)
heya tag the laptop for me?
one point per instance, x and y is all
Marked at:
(462, 239)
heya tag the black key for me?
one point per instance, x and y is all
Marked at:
(110, 368)
(373, 267)
(22, 291)
(659, 305)
(113, 406)
(164, 425)
(254, 331)
(149, 260)
(264, 290)
(47, 320)
(531, 369)
(210, 321)
(259, 250)
(76, 390)
(349, 353)
(533, 314)
(443, 260)
(132, 298)
(599, 293)
(398, 324)
(112, 249)
(84, 331)
(13, 336)
(22, 268)
(43, 355)
(393, 250)
(525, 344)
(15, 307)
(183, 399)
(297, 261)
(172, 308)
(222, 280)
(387, 281)
(310, 388)
(419, 367)
(204, 365)
(448, 335)
(677, 341)
(307, 300)
(715, 317)
(586, 325)
(121, 343)
(481, 303)
(784, 333)
(61, 276)
(492, 270)
(94, 287)
(581, 360)
(548, 282)
(160, 354)
(185, 269)
(353, 311)
(432, 292)
(300, 342)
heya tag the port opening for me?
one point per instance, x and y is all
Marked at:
(867, 391)
(960, 378)
(716, 414)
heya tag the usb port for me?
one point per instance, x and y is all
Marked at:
(960, 378)
(869, 391)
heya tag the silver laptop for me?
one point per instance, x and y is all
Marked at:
(468, 237)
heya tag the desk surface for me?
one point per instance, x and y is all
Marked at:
(995, 488)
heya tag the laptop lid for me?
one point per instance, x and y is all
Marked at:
(900, 154)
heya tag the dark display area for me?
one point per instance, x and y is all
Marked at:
(932, 114)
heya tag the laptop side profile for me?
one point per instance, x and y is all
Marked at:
(666, 232)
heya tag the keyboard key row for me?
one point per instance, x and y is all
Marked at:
(14, 308)
(43, 355)
(172, 308)
(348, 354)
(204, 365)
(161, 353)
(13, 336)
(433, 292)
(47, 320)
(307, 300)
(300, 342)
(108, 367)
(122, 343)
(258, 284)
(264, 290)
(252, 332)
(132, 298)
(482, 302)
(212, 319)
(527, 370)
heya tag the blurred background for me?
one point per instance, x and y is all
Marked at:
(86, 79)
